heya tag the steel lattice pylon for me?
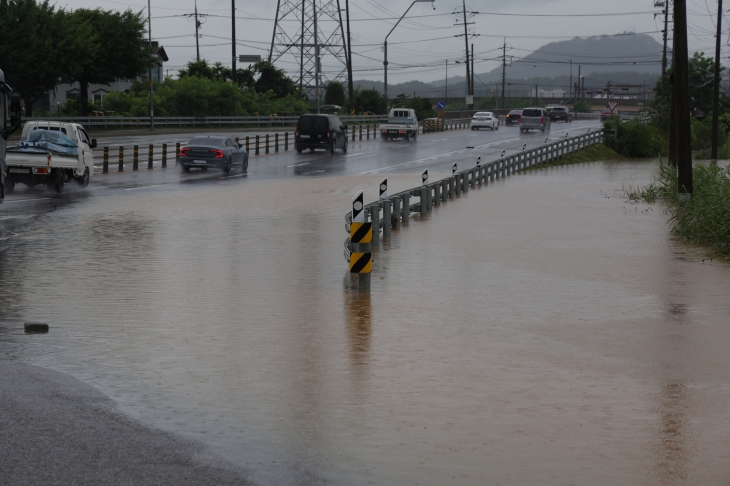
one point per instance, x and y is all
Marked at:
(305, 28)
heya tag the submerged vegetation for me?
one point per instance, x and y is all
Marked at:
(593, 153)
(705, 218)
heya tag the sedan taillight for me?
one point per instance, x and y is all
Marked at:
(184, 151)
(542, 119)
(218, 154)
(520, 118)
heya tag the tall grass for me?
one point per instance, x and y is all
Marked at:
(705, 218)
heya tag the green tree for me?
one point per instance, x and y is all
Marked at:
(32, 54)
(273, 79)
(423, 107)
(581, 106)
(106, 46)
(701, 81)
(335, 94)
(370, 100)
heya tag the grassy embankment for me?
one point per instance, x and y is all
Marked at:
(591, 154)
(705, 219)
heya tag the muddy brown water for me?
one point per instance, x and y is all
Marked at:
(540, 330)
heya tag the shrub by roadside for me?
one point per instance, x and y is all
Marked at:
(705, 219)
(593, 153)
(633, 139)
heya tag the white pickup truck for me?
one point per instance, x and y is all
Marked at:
(402, 123)
(47, 158)
(9, 122)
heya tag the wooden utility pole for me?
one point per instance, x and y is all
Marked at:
(233, 39)
(664, 51)
(466, 45)
(716, 92)
(504, 66)
(683, 134)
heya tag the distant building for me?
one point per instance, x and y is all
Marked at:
(57, 98)
(543, 93)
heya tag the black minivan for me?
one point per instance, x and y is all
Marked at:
(320, 131)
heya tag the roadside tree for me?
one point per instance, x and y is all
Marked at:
(335, 94)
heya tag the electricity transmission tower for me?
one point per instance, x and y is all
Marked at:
(307, 31)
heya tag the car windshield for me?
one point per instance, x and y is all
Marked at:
(532, 112)
(206, 142)
(310, 123)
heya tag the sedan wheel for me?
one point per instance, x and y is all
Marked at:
(245, 164)
(227, 168)
(333, 147)
(344, 147)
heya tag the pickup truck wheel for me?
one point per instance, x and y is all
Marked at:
(415, 135)
(333, 147)
(84, 180)
(344, 147)
(299, 149)
(186, 168)
(60, 182)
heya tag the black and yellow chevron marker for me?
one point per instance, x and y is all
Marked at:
(361, 232)
(361, 262)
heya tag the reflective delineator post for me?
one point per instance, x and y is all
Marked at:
(361, 234)
(105, 167)
(150, 156)
(121, 159)
(135, 158)
(164, 155)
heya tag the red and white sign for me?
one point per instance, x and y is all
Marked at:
(612, 105)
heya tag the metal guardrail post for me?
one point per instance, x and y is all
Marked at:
(406, 214)
(397, 211)
(386, 217)
(368, 132)
(450, 189)
(286, 141)
(360, 133)
(257, 145)
(267, 144)
(457, 184)
(150, 156)
(164, 155)
(276, 142)
(177, 152)
(423, 204)
(375, 217)
(437, 194)
(121, 159)
(135, 158)
(105, 167)
(473, 181)
(247, 145)
(429, 197)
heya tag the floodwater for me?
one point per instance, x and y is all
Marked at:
(540, 330)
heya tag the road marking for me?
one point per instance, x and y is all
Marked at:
(440, 140)
(144, 187)
(29, 199)
(352, 155)
(229, 177)
(300, 163)
(313, 172)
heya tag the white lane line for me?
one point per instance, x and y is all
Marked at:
(28, 199)
(352, 155)
(297, 165)
(313, 172)
(440, 140)
(229, 177)
(144, 187)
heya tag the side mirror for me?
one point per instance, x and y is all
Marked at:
(240, 146)
(93, 143)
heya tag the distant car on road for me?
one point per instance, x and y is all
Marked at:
(484, 119)
(560, 113)
(217, 151)
(606, 114)
(534, 119)
(315, 131)
(513, 117)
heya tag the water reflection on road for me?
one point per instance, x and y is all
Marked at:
(541, 330)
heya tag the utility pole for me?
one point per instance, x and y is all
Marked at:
(233, 39)
(466, 45)
(716, 91)
(472, 74)
(504, 67)
(316, 55)
(571, 79)
(197, 27)
(446, 89)
(152, 88)
(664, 51)
(349, 57)
(579, 81)
(681, 98)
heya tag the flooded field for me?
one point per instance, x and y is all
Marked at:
(540, 330)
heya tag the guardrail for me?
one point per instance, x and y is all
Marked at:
(396, 209)
(255, 145)
(191, 121)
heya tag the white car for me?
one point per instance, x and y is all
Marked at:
(484, 119)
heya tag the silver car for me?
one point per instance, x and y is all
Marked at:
(534, 119)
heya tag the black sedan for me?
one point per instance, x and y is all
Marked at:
(215, 151)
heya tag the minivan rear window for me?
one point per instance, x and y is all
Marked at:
(532, 112)
(313, 123)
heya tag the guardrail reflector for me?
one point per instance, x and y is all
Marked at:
(361, 262)
(361, 232)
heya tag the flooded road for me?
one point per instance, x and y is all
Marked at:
(540, 330)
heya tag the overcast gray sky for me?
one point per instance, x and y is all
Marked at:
(531, 23)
